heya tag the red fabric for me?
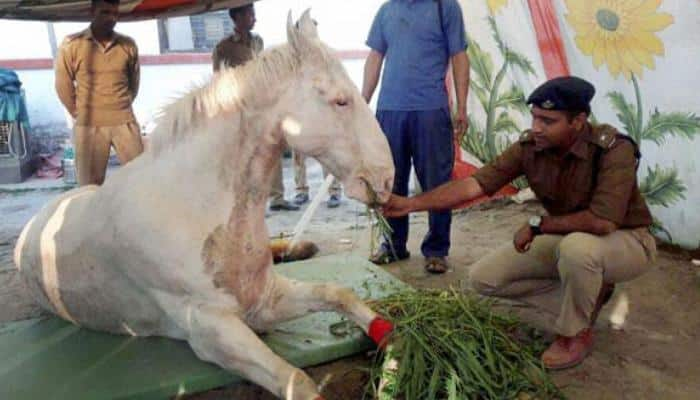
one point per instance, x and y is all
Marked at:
(544, 18)
(379, 329)
(151, 5)
(463, 170)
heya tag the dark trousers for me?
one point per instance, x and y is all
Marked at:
(424, 139)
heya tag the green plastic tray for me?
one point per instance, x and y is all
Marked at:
(51, 359)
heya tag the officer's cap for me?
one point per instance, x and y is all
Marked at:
(567, 93)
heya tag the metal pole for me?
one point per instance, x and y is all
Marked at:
(52, 39)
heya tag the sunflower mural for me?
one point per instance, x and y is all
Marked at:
(495, 5)
(622, 35)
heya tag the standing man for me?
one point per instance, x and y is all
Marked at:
(415, 40)
(236, 49)
(97, 79)
(596, 232)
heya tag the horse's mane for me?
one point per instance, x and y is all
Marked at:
(231, 90)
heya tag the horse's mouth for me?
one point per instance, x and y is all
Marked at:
(373, 200)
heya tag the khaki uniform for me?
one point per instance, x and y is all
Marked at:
(231, 52)
(97, 84)
(302, 186)
(597, 174)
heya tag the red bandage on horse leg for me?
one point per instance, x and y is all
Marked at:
(379, 329)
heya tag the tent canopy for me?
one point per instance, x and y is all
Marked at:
(130, 10)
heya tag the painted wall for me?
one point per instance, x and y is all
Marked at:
(641, 56)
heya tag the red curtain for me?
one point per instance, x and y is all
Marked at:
(544, 18)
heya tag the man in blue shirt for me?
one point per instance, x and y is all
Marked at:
(415, 40)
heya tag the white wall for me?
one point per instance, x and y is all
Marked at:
(24, 39)
(343, 25)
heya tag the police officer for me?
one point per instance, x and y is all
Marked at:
(595, 232)
(97, 80)
(234, 50)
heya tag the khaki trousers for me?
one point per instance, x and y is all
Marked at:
(92, 146)
(578, 262)
(277, 189)
(302, 185)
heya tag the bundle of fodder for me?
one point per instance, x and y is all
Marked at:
(451, 345)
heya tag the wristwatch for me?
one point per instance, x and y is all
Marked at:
(535, 223)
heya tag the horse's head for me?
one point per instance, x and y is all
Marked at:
(325, 117)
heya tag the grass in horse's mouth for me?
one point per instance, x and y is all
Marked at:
(380, 228)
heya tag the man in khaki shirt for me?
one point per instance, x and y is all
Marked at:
(97, 79)
(596, 231)
(234, 50)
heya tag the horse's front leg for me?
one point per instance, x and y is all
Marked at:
(286, 299)
(218, 335)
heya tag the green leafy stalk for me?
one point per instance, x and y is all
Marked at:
(380, 228)
(451, 345)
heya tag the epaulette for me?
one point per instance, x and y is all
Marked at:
(604, 136)
(72, 37)
(526, 136)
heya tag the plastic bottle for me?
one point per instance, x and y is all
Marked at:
(68, 164)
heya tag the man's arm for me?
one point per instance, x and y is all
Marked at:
(373, 67)
(443, 197)
(460, 74)
(65, 77)
(135, 74)
(582, 221)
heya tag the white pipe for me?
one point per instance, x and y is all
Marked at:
(301, 226)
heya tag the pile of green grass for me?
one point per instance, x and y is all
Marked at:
(451, 345)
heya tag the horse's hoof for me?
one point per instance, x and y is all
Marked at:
(301, 251)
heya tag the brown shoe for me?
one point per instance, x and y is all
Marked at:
(567, 352)
(604, 296)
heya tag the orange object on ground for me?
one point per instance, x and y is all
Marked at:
(159, 5)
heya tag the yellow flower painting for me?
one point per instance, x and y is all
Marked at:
(619, 33)
(495, 5)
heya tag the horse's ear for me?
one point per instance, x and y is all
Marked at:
(302, 35)
(307, 25)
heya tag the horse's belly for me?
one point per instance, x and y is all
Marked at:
(68, 270)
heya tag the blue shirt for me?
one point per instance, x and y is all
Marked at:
(416, 52)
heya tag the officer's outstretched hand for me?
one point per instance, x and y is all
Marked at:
(397, 206)
(523, 238)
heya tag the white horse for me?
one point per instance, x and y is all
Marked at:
(174, 244)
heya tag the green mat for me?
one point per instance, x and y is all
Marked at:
(51, 359)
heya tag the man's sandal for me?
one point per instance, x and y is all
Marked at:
(436, 265)
(385, 256)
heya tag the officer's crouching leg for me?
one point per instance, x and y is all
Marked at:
(507, 273)
(580, 266)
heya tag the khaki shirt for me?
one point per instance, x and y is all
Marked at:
(567, 184)
(233, 50)
(97, 84)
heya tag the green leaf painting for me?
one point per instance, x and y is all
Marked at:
(660, 186)
(486, 141)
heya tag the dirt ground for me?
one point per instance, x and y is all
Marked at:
(649, 352)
